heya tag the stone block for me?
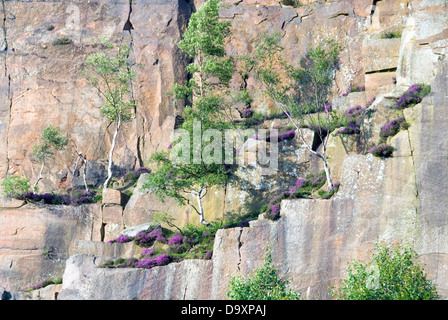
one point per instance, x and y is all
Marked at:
(112, 214)
(380, 54)
(112, 196)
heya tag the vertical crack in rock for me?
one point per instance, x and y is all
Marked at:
(128, 25)
(372, 11)
(4, 50)
(4, 43)
(240, 244)
(187, 277)
(411, 149)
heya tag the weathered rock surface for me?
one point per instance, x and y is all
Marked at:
(398, 199)
(35, 241)
(42, 84)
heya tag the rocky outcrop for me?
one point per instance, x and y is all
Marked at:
(399, 199)
(35, 241)
(43, 50)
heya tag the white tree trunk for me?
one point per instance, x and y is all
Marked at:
(200, 208)
(321, 156)
(327, 173)
(39, 177)
(84, 174)
(111, 153)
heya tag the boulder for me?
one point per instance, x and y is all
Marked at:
(131, 232)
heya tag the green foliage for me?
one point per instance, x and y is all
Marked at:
(390, 35)
(112, 75)
(293, 3)
(392, 274)
(211, 71)
(178, 180)
(62, 41)
(42, 152)
(15, 184)
(204, 41)
(302, 89)
(314, 76)
(263, 284)
(52, 139)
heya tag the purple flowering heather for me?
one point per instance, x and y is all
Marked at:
(382, 151)
(176, 239)
(208, 255)
(246, 112)
(143, 239)
(146, 263)
(162, 260)
(149, 263)
(346, 92)
(413, 95)
(120, 239)
(328, 108)
(176, 242)
(157, 234)
(147, 251)
(354, 117)
(390, 129)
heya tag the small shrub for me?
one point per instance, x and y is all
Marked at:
(49, 27)
(15, 185)
(353, 89)
(329, 194)
(302, 189)
(247, 112)
(293, 3)
(176, 243)
(413, 95)
(382, 151)
(62, 41)
(263, 284)
(392, 274)
(390, 35)
(352, 120)
(42, 284)
(76, 198)
(392, 128)
(132, 176)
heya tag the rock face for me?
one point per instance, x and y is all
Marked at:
(398, 199)
(43, 49)
(35, 241)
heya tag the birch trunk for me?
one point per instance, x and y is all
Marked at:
(324, 141)
(84, 174)
(111, 153)
(40, 176)
(200, 208)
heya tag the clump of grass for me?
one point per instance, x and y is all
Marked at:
(62, 41)
(42, 284)
(293, 3)
(390, 35)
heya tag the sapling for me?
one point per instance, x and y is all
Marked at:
(300, 91)
(211, 70)
(53, 139)
(112, 76)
